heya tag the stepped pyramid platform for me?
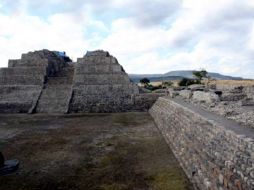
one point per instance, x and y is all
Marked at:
(100, 84)
(44, 82)
(22, 82)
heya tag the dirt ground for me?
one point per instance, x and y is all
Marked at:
(121, 151)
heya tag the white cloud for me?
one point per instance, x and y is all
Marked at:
(146, 36)
(28, 33)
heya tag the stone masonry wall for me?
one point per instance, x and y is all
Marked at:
(43, 82)
(216, 154)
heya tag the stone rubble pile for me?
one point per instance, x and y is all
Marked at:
(236, 103)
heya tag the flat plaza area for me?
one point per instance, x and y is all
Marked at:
(122, 151)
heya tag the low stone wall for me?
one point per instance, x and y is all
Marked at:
(216, 154)
(98, 104)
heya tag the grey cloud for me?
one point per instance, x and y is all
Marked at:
(226, 29)
(144, 12)
(150, 12)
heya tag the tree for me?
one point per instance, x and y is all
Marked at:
(200, 74)
(144, 81)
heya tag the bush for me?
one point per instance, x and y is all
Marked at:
(166, 84)
(187, 82)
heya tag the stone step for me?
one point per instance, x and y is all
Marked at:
(28, 63)
(101, 79)
(99, 69)
(56, 93)
(48, 103)
(52, 106)
(51, 109)
(58, 80)
(54, 99)
(23, 71)
(109, 90)
(21, 80)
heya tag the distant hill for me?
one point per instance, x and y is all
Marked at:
(188, 74)
(136, 78)
(177, 75)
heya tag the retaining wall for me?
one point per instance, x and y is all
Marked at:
(216, 154)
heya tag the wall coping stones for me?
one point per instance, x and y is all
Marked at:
(214, 118)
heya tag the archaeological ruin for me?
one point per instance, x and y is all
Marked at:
(209, 128)
(44, 82)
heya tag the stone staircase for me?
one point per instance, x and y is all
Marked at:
(57, 92)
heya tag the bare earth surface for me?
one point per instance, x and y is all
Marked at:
(122, 151)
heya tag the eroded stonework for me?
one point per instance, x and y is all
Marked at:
(44, 82)
(215, 153)
(101, 85)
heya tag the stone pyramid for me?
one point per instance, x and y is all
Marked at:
(100, 84)
(44, 82)
(22, 82)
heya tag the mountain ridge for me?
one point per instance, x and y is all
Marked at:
(178, 75)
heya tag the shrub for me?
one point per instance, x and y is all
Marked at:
(187, 82)
(166, 84)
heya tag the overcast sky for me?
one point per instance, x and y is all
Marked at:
(147, 36)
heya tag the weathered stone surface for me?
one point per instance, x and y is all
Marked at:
(227, 96)
(249, 91)
(96, 83)
(18, 98)
(97, 53)
(214, 152)
(100, 84)
(247, 102)
(196, 87)
(57, 92)
(172, 92)
(22, 82)
(186, 94)
(208, 97)
(143, 102)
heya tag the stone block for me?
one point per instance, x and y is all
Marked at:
(207, 97)
(185, 94)
(173, 93)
